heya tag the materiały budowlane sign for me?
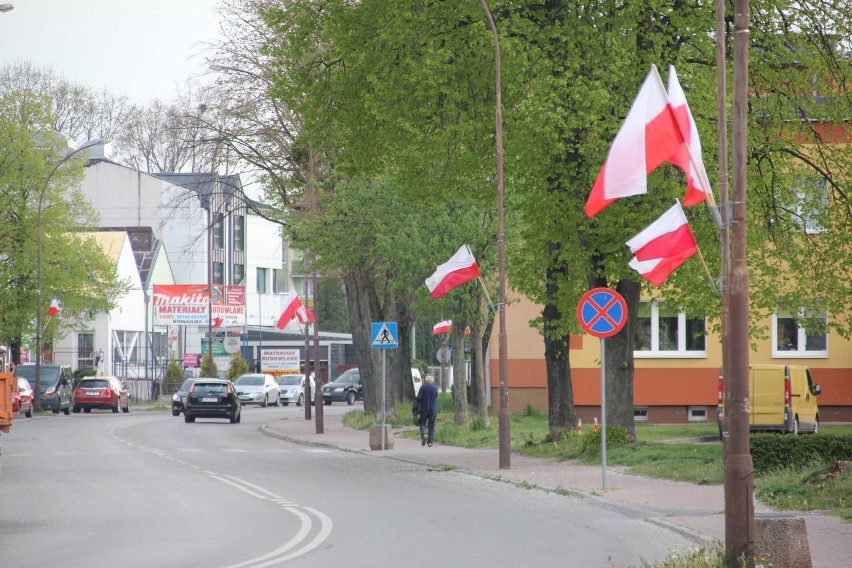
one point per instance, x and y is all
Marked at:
(602, 312)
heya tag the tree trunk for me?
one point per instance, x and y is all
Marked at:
(619, 364)
(401, 384)
(363, 304)
(560, 393)
(459, 375)
(478, 392)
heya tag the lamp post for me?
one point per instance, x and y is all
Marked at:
(39, 336)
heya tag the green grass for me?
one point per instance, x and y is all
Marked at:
(808, 490)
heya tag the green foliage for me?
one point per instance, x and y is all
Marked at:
(80, 373)
(174, 377)
(796, 489)
(208, 365)
(771, 452)
(704, 556)
(237, 366)
(614, 437)
(445, 402)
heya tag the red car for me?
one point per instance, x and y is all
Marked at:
(23, 398)
(100, 392)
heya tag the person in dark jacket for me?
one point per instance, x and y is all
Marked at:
(428, 399)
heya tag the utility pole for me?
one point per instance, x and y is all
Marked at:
(739, 470)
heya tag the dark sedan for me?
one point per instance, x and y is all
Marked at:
(212, 398)
(180, 397)
(345, 388)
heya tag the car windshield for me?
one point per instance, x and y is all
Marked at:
(49, 374)
(250, 381)
(94, 384)
(24, 384)
(348, 378)
(290, 380)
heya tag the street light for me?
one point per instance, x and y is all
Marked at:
(39, 337)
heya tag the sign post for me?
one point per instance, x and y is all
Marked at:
(384, 334)
(602, 313)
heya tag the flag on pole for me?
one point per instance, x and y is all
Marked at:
(648, 137)
(442, 327)
(293, 308)
(663, 246)
(55, 307)
(455, 272)
(688, 156)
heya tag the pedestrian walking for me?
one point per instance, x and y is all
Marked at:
(428, 399)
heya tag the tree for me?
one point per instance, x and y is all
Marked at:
(174, 377)
(237, 367)
(208, 365)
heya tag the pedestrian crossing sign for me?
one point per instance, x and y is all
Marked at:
(384, 335)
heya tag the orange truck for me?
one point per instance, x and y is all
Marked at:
(7, 384)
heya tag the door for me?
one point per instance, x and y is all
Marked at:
(802, 397)
(766, 396)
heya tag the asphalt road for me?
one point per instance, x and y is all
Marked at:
(146, 489)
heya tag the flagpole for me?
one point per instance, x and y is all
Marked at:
(704, 264)
(482, 282)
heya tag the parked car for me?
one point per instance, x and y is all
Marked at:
(292, 388)
(180, 397)
(416, 379)
(55, 385)
(347, 387)
(22, 403)
(101, 392)
(257, 388)
(212, 398)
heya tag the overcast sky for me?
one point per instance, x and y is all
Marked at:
(144, 49)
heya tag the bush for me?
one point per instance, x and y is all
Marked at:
(237, 367)
(174, 378)
(208, 365)
(81, 373)
(771, 452)
(615, 436)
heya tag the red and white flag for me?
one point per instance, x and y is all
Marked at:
(55, 307)
(663, 246)
(442, 327)
(293, 308)
(688, 156)
(455, 272)
(648, 137)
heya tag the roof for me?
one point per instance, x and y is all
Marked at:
(110, 241)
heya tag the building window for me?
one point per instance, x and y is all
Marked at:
(698, 414)
(219, 231)
(262, 284)
(218, 273)
(239, 274)
(86, 350)
(811, 207)
(663, 331)
(280, 278)
(640, 413)
(789, 339)
(239, 233)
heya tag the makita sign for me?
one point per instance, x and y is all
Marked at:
(190, 304)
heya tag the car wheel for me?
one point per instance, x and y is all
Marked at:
(265, 402)
(29, 413)
(115, 408)
(55, 411)
(188, 419)
(76, 410)
(87, 410)
(277, 401)
(350, 398)
(816, 425)
(796, 426)
(301, 400)
(233, 419)
(175, 412)
(67, 410)
(327, 402)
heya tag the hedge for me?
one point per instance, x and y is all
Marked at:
(772, 451)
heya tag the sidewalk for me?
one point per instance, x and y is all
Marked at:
(694, 510)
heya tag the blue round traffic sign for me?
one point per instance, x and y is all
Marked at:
(602, 312)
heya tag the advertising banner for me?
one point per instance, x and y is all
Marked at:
(280, 361)
(190, 304)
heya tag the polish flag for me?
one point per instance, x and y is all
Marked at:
(442, 327)
(455, 272)
(55, 307)
(688, 156)
(293, 308)
(663, 246)
(648, 137)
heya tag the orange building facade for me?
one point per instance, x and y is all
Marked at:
(669, 386)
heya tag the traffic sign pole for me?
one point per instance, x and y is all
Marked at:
(603, 412)
(384, 351)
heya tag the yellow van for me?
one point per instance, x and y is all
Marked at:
(781, 398)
